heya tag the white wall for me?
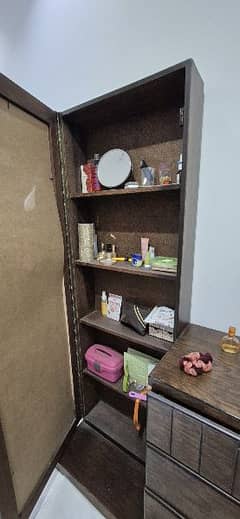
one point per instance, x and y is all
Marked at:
(67, 51)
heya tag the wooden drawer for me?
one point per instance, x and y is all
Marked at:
(159, 424)
(186, 492)
(202, 445)
(154, 508)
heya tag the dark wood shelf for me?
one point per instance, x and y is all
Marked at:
(126, 268)
(131, 191)
(104, 473)
(118, 427)
(115, 386)
(96, 320)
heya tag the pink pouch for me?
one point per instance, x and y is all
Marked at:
(104, 362)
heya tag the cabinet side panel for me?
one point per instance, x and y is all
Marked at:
(36, 402)
(189, 190)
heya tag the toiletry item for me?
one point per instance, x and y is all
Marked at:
(107, 259)
(89, 178)
(114, 307)
(147, 174)
(144, 247)
(109, 251)
(104, 362)
(151, 253)
(101, 254)
(131, 185)
(114, 252)
(164, 264)
(136, 260)
(230, 343)
(86, 177)
(164, 175)
(95, 182)
(147, 261)
(86, 234)
(104, 304)
(179, 169)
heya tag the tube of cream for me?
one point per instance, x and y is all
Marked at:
(144, 247)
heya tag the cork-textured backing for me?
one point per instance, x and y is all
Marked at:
(36, 403)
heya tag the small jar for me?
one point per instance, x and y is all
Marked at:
(164, 175)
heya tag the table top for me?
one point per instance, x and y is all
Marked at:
(216, 394)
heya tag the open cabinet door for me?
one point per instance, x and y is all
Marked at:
(36, 396)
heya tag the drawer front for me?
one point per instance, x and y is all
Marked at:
(159, 424)
(207, 448)
(186, 439)
(184, 491)
(155, 509)
(218, 458)
(236, 487)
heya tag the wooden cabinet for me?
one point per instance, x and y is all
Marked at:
(197, 476)
(42, 190)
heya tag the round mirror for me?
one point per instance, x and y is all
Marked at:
(114, 168)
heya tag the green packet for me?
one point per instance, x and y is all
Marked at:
(137, 367)
(164, 262)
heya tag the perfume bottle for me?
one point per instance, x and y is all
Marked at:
(104, 303)
(230, 343)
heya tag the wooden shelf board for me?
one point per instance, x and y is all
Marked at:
(115, 386)
(96, 320)
(131, 191)
(118, 427)
(104, 473)
(126, 268)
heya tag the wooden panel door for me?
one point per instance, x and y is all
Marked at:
(36, 396)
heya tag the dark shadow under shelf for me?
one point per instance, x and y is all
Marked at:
(115, 386)
(132, 191)
(104, 473)
(126, 268)
(96, 320)
(118, 427)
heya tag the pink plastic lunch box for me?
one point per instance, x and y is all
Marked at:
(104, 362)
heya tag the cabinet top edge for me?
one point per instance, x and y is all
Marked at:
(182, 66)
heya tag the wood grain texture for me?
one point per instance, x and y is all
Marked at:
(159, 424)
(218, 458)
(190, 495)
(118, 427)
(193, 113)
(186, 439)
(96, 320)
(18, 96)
(154, 92)
(236, 483)
(215, 394)
(125, 192)
(109, 477)
(155, 508)
(126, 268)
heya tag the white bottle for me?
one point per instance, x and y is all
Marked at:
(179, 168)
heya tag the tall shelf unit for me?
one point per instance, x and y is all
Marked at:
(143, 119)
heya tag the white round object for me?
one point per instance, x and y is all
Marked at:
(114, 168)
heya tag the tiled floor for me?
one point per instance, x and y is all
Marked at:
(61, 500)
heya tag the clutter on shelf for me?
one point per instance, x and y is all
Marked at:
(114, 169)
